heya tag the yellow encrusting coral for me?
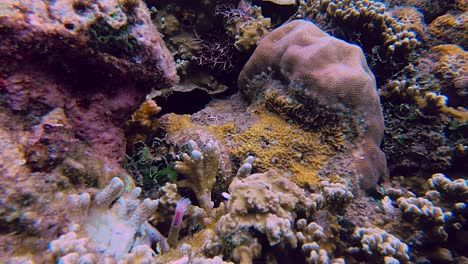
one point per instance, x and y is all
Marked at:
(276, 143)
(176, 123)
(450, 28)
(451, 67)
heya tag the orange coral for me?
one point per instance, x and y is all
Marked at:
(450, 28)
(143, 124)
(451, 63)
(410, 18)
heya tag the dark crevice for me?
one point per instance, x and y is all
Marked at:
(184, 102)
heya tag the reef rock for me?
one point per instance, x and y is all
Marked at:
(94, 59)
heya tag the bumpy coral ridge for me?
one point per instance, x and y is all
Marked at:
(381, 246)
(332, 82)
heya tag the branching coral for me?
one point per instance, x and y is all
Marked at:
(200, 170)
(370, 19)
(380, 246)
(456, 190)
(337, 196)
(103, 231)
(308, 235)
(423, 212)
(434, 222)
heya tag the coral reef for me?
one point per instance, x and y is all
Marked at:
(200, 169)
(337, 88)
(449, 29)
(247, 24)
(104, 232)
(272, 140)
(184, 135)
(142, 125)
(435, 220)
(425, 113)
(201, 46)
(33, 211)
(63, 40)
(264, 202)
(386, 41)
(452, 70)
(105, 34)
(380, 246)
(107, 157)
(430, 9)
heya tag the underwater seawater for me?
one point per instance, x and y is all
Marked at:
(251, 131)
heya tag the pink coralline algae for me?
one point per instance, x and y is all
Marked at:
(95, 60)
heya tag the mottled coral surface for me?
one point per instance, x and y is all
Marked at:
(343, 140)
(330, 79)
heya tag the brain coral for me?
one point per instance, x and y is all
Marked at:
(329, 81)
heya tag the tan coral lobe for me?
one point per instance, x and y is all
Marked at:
(330, 82)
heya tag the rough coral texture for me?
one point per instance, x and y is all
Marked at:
(309, 236)
(34, 210)
(142, 125)
(380, 246)
(423, 211)
(411, 19)
(51, 141)
(433, 220)
(426, 115)
(196, 37)
(247, 25)
(456, 190)
(272, 140)
(449, 29)
(47, 45)
(107, 34)
(451, 68)
(430, 9)
(332, 82)
(264, 202)
(103, 232)
(200, 169)
(387, 41)
(181, 130)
